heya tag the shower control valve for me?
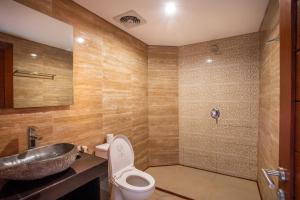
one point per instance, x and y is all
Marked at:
(215, 114)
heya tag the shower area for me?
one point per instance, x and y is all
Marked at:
(213, 114)
(220, 75)
(217, 120)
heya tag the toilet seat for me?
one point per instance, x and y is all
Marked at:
(128, 182)
(144, 181)
(121, 155)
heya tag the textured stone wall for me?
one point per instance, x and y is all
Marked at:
(230, 83)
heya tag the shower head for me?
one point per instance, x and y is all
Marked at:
(215, 49)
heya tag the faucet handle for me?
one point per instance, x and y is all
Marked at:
(32, 137)
(36, 137)
(32, 133)
(32, 128)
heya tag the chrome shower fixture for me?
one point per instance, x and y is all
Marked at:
(215, 49)
(215, 114)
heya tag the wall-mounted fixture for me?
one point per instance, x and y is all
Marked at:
(32, 137)
(130, 19)
(215, 114)
(215, 49)
(29, 74)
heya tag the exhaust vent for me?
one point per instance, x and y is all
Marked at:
(130, 19)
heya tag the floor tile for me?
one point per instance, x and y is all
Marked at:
(203, 185)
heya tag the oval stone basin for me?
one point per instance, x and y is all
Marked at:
(38, 162)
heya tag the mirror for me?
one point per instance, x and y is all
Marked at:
(42, 56)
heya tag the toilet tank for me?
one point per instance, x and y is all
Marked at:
(102, 150)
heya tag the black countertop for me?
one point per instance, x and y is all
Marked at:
(84, 169)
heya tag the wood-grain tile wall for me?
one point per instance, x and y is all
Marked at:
(268, 136)
(163, 105)
(110, 89)
(121, 86)
(229, 83)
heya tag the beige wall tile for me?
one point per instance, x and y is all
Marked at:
(163, 105)
(160, 97)
(110, 89)
(268, 142)
(231, 84)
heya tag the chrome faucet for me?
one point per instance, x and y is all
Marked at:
(32, 137)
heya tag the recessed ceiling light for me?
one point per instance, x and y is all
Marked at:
(170, 8)
(209, 61)
(80, 40)
(34, 55)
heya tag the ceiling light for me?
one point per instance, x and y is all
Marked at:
(80, 40)
(34, 55)
(170, 8)
(209, 61)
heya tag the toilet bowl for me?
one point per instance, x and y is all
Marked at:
(128, 183)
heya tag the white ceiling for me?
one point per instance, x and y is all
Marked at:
(195, 20)
(22, 21)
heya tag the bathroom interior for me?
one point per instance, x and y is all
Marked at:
(142, 99)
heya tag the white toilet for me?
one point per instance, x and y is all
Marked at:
(128, 182)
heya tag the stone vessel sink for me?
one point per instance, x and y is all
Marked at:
(38, 163)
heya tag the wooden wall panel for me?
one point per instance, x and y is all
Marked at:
(297, 176)
(297, 152)
(297, 109)
(297, 136)
(2, 78)
(298, 25)
(298, 76)
(110, 90)
(6, 71)
(163, 105)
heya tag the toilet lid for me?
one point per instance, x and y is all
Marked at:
(121, 154)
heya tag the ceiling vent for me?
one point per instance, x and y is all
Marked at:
(130, 19)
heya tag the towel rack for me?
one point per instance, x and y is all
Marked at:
(29, 74)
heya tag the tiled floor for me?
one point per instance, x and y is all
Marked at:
(201, 185)
(159, 195)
